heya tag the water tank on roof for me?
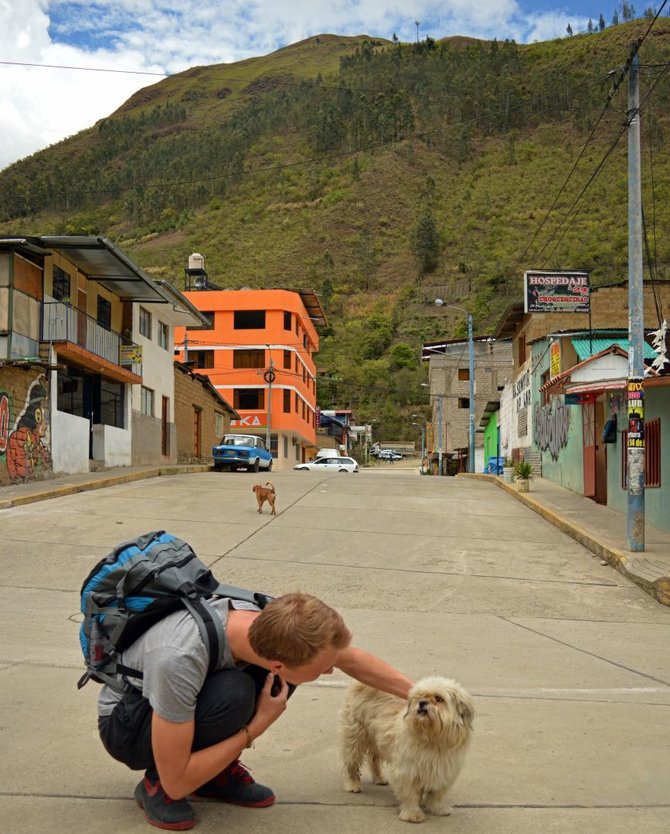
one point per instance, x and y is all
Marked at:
(196, 261)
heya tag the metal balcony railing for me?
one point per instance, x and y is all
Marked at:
(63, 322)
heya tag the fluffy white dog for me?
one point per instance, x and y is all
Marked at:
(422, 741)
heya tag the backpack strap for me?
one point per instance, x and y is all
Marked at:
(233, 592)
(210, 628)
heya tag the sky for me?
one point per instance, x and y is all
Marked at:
(41, 105)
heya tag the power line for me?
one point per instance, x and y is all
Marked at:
(624, 127)
(615, 87)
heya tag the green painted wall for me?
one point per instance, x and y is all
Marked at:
(656, 499)
(491, 438)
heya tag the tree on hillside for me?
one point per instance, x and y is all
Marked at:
(615, 18)
(425, 235)
(366, 257)
(589, 27)
(601, 23)
(568, 29)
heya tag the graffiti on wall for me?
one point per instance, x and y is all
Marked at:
(552, 424)
(25, 445)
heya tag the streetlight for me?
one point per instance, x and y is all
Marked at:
(471, 374)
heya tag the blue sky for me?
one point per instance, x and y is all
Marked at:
(40, 106)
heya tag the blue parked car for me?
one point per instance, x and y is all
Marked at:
(247, 450)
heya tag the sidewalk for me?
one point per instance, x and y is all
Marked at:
(601, 530)
(17, 494)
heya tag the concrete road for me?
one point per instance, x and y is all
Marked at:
(569, 663)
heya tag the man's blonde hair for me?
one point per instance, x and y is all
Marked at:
(294, 628)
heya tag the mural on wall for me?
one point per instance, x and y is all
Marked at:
(26, 445)
(552, 424)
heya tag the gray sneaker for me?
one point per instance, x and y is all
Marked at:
(162, 811)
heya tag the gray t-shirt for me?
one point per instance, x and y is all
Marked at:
(174, 661)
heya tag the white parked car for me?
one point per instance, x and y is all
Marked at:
(389, 454)
(329, 465)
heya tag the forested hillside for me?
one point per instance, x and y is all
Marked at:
(381, 174)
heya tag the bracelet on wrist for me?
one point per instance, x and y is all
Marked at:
(250, 738)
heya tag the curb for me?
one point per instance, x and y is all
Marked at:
(100, 483)
(636, 568)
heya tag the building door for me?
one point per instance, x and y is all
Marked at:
(589, 443)
(197, 432)
(165, 427)
(82, 318)
(601, 453)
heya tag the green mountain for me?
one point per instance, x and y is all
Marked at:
(381, 174)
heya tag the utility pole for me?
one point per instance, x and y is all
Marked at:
(635, 388)
(185, 347)
(439, 432)
(269, 376)
(472, 402)
(417, 23)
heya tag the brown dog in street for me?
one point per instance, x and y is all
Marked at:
(263, 494)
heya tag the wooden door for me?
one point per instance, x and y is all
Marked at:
(82, 318)
(589, 443)
(165, 427)
(197, 432)
(600, 454)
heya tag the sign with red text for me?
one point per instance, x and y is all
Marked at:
(556, 292)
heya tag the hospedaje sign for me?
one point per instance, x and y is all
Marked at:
(554, 291)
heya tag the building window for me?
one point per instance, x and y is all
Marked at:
(463, 374)
(147, 403)
(248, 359)
(652, 455)
(249, 399)
(61, 284)
(297, 327)
(104, 315)
(274, 445)
(219, 424)
(249, 320)
(163, 335)
(522, 422)
(285, 446)
(203, 358)
(297, 402)
(521, 350)
(304, 341)
(287, 401)
(287, 321)
(464, 402)
(287, 360)
(210, 322)
(145, 323)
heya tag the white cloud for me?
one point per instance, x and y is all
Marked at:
(41, 106)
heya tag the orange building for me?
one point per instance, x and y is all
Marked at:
(259, 355)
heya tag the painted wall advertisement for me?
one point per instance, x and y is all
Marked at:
(636, 414)
(556, 292)
(555, 359)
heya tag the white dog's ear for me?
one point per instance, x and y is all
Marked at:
(464, 708)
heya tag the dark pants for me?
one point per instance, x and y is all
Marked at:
(226, 702)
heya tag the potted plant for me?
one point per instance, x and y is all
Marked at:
(523, 473)
(508, 470)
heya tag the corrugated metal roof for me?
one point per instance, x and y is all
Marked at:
(588, 347)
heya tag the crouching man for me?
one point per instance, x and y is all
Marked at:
(187, 729)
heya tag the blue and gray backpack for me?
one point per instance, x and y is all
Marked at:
(136, 585)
